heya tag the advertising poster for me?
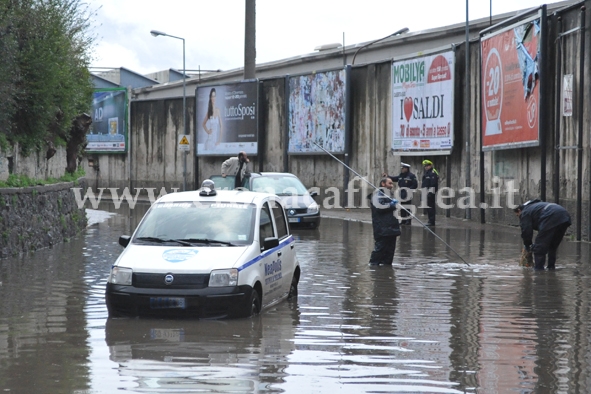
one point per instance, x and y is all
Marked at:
(317, 104)
(422, 104)
(510, 87)
(227, 119)
(108, 131)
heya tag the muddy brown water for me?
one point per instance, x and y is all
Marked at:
(429, 324)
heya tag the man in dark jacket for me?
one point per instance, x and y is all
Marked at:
(406, 181)
(385, 224)
(550, 221)
(431, 184)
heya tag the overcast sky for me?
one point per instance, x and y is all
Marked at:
(214, 29)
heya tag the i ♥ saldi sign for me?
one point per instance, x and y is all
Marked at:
(422, 103)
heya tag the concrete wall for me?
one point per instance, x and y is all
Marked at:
(34, 166)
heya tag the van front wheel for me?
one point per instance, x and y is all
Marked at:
(255, 303)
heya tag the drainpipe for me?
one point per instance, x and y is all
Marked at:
(467, 106)
(558, 111)
(544, 96)
(581, 119)
(348, 135)
(286, 127)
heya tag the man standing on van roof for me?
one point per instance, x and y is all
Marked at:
(431, 184)
(237, 166)
(550, 221)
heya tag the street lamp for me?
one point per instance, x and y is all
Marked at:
(396, 33)
(157, 33)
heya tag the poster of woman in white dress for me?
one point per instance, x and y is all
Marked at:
(212, 123)
(226, 119)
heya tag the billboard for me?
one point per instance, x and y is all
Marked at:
(510, 87)
(422, 104)
(108, 131)
(227, 119)
(317, 112)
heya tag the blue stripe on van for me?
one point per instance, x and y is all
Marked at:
(282, 245)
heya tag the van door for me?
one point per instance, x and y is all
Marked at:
(271, 259)
(287, 244)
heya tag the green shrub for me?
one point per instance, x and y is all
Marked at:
(24, 181)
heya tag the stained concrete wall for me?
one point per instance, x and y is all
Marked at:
(35, 165)
(155, 125)
(153, 160)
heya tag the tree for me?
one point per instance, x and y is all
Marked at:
(52, 83)
(8, 74)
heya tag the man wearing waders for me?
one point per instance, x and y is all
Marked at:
(550, 221)
(385, 225)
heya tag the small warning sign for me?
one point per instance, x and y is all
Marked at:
(184, 142)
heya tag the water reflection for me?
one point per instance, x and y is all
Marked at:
(429, 323)
(243, 355)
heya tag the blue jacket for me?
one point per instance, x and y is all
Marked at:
(430, 180)
(540, 216)
(405, 180)
(384, 222)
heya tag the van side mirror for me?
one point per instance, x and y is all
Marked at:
(313, 194)
(270, 243)
(124, 240)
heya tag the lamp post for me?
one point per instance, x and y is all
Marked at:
(396, 33)
(157, 33)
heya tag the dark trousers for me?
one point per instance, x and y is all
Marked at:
(430, 212)
(547, 243)
(383, 251)
(405, 217)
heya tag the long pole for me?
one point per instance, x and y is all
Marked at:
(185, 119)
(467, 134)
(580, 135)
(157, 33)
(401, 206)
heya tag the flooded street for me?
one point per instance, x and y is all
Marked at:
(429, 324)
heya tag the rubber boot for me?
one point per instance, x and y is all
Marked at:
(551, 259)
(539, 261)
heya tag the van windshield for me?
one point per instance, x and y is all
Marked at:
(214, 221)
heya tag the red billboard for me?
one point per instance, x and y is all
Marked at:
(511, 87)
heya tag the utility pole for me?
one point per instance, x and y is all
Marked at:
(250, 52)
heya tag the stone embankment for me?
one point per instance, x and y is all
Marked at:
(37, 217)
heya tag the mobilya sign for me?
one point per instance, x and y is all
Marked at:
(422, 103)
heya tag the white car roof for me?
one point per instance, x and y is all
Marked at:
(246, 197)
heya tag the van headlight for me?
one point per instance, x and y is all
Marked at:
(121, 276)
(220, 278)
(313, 208)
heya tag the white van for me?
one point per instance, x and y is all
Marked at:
(206, 254)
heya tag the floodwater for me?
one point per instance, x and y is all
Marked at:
(429, 324)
